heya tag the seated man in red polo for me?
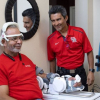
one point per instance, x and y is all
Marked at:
(17, 72)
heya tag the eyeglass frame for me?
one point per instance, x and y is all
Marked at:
(15, 38)
(15, 35)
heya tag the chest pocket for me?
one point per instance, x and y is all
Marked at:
(75, 45)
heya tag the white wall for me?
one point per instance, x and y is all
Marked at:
(96, 34)
(2, 17)
(81, 14)
(90, 21)
(2, 14)
(81, 19)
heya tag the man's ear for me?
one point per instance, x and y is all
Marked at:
(3, 42)
(66, 18)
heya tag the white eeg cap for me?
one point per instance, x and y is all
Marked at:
(4, 28)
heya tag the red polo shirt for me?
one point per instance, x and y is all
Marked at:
(68, 51)
(20, 76)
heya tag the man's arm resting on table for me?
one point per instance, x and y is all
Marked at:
(40, 72)
(90, 77)
(4, 93)
(53, 66)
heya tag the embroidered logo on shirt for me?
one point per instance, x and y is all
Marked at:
(73, 39)
(56, 43)
(27, 65)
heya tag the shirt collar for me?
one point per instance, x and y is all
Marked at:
(69, 32)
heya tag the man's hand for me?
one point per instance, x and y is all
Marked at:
(76, 84)
(43, 75)
(90, 78)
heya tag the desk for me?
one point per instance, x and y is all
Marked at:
(73, 96)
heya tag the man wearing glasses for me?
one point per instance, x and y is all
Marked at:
(17, 72)
(67, 46)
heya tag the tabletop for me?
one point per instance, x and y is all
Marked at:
(80, 95)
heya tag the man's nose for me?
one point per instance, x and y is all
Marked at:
(25, 25)
(56, 23)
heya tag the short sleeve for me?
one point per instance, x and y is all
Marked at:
(3, 76)
(86, 43)
(50, 53)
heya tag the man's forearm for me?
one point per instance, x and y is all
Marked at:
(53, 66)
(90, 77)
(90, 59)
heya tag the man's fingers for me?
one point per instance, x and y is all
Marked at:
(77, 84)
(90, 82)
(71, 78)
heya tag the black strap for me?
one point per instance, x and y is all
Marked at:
(12, 57)
(20, 57)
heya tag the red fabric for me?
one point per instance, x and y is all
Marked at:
(69, 53)
(20, 76)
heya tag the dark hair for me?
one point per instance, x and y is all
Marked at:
(57, 9)
(29, 13)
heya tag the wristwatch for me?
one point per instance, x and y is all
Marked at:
(92, 70)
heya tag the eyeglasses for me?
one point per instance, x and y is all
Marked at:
(15, 38)
(65, 40)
